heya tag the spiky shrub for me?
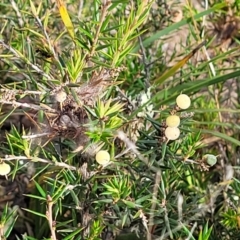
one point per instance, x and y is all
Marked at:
(90, 154)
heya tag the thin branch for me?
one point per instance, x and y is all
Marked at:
(47, 37)
(33, 136)
(167, 223)
(104, 12)
(18, 55)
(37, 159)
(146, 65)
(80, 8)
(121, 135)
(154, 204)
(190, 235)
(20, 91)
(49, 215)
(18, 13)
(28, 105)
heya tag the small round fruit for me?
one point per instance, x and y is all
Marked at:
(102, 157)
(60, 96)
(183, 101)
(173, 121)
(4, 169)
(210, 159)
(172, 133)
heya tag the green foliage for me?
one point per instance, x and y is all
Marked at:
(230, 219)
(119, 189)
(8, 219)
(205, 233)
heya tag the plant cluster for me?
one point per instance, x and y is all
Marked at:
(172, 131)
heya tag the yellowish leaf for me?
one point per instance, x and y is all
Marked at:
(65, 18)
(34, 11)
(178, 65)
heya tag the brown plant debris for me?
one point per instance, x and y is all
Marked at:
(225, 29)
(67, 117)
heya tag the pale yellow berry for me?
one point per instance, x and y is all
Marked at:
(4, 169)
(173, 121)
(172, 133)
(60, 96)
(102, 157)
(183, 101)
(210, 159)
